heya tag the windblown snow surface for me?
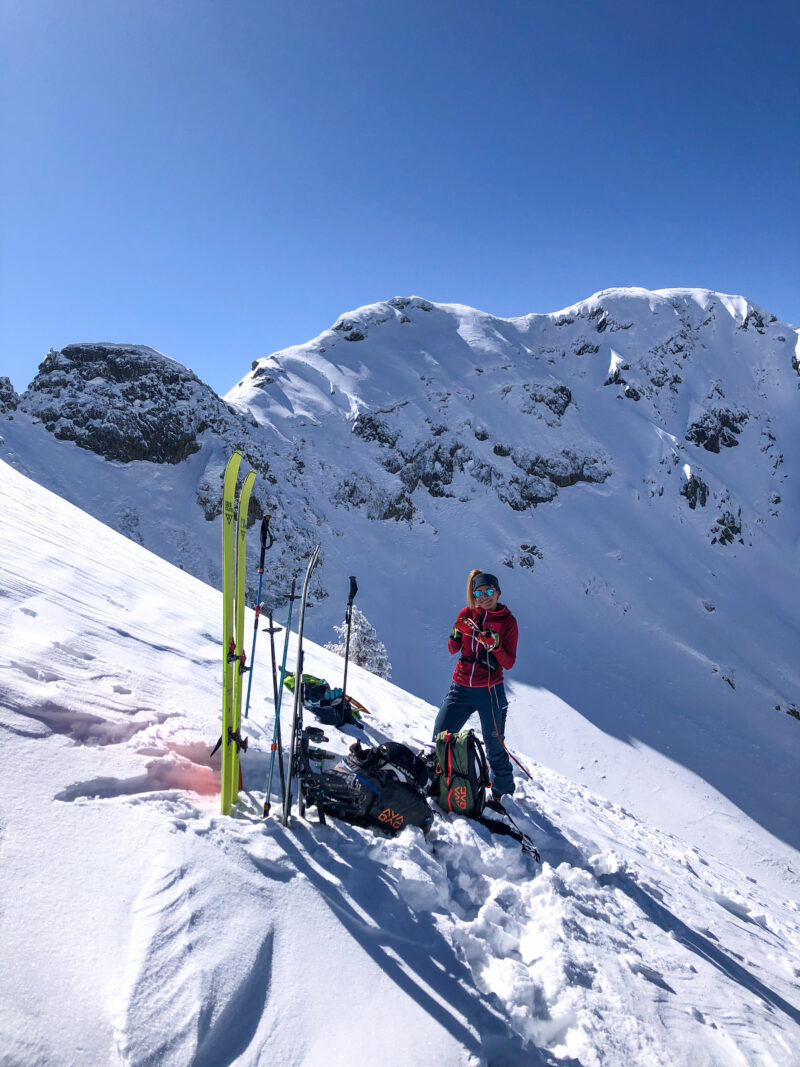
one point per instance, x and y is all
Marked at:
(139, 926)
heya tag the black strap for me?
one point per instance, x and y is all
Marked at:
(485, 659)
(495, 826)
(235, 737)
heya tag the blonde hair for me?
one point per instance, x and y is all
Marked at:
(471, 601)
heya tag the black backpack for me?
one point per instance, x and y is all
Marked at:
(393, 760)
(382, 787)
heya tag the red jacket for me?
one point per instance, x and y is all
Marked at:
(468, 670)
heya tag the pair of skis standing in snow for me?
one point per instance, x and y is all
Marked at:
(234, 659)
(485, 635)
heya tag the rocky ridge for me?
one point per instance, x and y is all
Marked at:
(455, 421)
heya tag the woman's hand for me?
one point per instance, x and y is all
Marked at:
(489, 639)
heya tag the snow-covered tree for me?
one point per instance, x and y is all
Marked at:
(365, 648)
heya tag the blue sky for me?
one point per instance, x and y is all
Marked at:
(222, 178)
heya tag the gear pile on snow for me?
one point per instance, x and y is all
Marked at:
(330, 706)
(382, 787)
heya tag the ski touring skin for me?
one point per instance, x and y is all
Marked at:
(295, 758)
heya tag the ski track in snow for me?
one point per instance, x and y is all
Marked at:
(245, 942)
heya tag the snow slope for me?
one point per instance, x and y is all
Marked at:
(629, 467)
(138, 926)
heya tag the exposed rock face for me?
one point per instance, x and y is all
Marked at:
(717, 428)
(434, 463)
(125, 403)
(696, 492)
(727, 528)
(9, 400)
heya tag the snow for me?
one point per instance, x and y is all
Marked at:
(139, 926)
(616, 363)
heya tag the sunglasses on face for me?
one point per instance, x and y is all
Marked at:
(478, 593)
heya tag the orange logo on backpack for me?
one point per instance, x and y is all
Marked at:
(394, 818)
(460, 796)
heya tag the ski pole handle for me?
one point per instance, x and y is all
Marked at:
(352, 596)
(265, 533)
(348, 615)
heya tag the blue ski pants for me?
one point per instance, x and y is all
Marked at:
(491, 705)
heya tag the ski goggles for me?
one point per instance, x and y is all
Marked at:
(478, 593)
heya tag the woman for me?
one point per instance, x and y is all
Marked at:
(485, 633)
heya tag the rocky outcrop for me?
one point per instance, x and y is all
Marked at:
(716, 429)
(9, 400)
(696, 491)
(727, 528)
(554, 398)
(443, 463)
(125, 403)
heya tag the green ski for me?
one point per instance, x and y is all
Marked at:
(235, 741)
(228, 652)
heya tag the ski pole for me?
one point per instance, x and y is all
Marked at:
(348, 619)
(265, 533)
(276, 731)
(295, 764)
(272, 630)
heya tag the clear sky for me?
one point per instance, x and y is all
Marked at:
(222, 178)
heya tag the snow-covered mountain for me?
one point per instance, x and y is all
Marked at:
(629, 466)
(138, 926)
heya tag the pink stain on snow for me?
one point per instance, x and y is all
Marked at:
(175, 771)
